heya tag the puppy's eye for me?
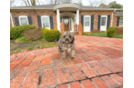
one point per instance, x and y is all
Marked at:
(69, 36)
(63, 36)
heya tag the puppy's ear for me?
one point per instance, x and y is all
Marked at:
(73, 40)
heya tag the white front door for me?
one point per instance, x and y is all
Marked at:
(87, 22)
(71, 29)
(103, 23)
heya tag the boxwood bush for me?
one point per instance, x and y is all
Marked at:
(16, 32)
(111, 31)
(51, 35)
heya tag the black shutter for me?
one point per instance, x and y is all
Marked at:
(51, 21)
(99, 22)
(39, 21)
(82, 20)
(30, 20)
(16, 21)
(92, 22)
(118, 18)
(108, 21)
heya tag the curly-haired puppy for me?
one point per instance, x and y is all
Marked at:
(66, 43)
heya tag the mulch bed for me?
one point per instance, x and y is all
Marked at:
(119, 30)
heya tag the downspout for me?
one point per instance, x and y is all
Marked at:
(112, 17)
(11, 20)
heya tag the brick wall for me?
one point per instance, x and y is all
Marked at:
(34, 16)
(48, 13)
(96, 13)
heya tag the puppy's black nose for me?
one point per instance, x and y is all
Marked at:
(66, 39)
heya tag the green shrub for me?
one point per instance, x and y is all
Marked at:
(16, 32)
(111, 31)
(33, 34)
(51, 35)
(42, 29)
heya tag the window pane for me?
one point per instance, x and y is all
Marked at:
(45, 22)
(23, 21)
(86, 19)
(86, 23)
(103, 18)
(103, 21)
(121, 21)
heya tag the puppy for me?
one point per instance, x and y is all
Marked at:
(66, 43)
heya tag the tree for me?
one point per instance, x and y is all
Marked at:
(96, 3)
(115, 5)
(103, 5)
(11, 2)
(30, 2)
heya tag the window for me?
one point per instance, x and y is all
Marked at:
(45, 22)
(86, 21)
(103, 21)
(23, 20)
(121, 21)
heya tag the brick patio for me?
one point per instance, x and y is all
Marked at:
(98, 63)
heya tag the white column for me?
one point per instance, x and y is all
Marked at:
(77, 17)
(11, 20)
(58, 19)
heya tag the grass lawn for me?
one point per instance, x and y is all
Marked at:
(102, 34)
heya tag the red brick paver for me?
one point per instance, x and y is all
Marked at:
(16, 81)
(117, 78)
(77, 60)
(31, 80)
(98, 63)
(24, 63)
(17, 61)
(99, 83)
(30, 57)
(87, 84)
(62, 86)
(76, 73)
(62, 75)
(89, 72)
(47, 78)
(100, 69)
(110, 81)
(75, 85)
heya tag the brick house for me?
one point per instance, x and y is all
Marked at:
(50, 17)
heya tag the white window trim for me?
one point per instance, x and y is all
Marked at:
(48, 21)
(89, 20)
(119, 23)
(101, 18)
(22, 16)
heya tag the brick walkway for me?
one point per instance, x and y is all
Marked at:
(98, 63)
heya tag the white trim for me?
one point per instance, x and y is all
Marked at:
(89, 23)
(58, 19)
(119, 22)
(23, 16)
(66, 6)
(77, 15)
(105, 24)
(48, 21)
(11, 20)
(112, 17)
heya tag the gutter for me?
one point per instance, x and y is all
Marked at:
(112, 17)
(11, 20)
